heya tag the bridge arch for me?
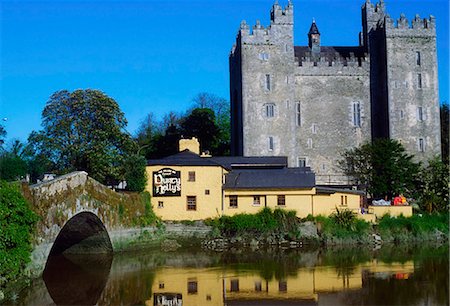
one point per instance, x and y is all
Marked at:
(84, 233)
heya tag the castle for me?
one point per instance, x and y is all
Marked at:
(311, 103)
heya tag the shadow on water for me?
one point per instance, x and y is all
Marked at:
(77, 279)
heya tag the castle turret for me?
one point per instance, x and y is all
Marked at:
(314, 40)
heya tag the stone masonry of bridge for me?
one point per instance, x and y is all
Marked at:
(58, 200)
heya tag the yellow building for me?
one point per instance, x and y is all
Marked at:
(189, 186)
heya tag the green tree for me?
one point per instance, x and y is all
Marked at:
(16, 225)
(221, 109)
(434, 192)
(84, 130)
(383, 168)
(445, 132)
(201, 124)
(2, 135)
(135, 174)
(13, 165)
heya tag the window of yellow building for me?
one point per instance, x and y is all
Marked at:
(191, 176)
(282, 286)
(207, 191)
(258, 286)
(191, 203)
(233, 201)
(343, 200)
(281, 200)
(192, 286)
(256, 200)
(160, 204)
(234, 285)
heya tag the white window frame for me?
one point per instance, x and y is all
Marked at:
(269, 109)
(257, 200)
(356, 114)
(300, 160)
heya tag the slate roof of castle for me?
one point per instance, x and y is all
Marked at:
(330, 52)
(285, 178)
(313, 29)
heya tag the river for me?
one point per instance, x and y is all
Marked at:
(392, 275)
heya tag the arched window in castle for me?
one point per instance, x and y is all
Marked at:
(418, 59)
(270, 110)
(267, 82)
(298, 114)
(419, 81)
(271, 145)
(420, 116)
(356, 114)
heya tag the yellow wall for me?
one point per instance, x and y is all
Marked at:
(175, 207)
(299, 200)
(325, 204)
(380, 211)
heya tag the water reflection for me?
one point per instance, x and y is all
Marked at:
(76, 279)
(389, 276)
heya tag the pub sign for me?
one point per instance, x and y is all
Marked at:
(166, 183)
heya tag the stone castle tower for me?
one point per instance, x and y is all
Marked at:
(313, 102)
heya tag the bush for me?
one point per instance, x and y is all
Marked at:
(264, 221)
(16, 225)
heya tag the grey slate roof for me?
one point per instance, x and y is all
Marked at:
(285, 178)
(234, 162)
(330, 53)
(313, 29)
(183, 158)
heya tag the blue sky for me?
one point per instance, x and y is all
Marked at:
(155, 56)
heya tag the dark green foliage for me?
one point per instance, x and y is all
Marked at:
(344, 218)
(135, 174)
(2, 135)
(434, 191)
(12, 167)
(84, 130)
(445, 132)
(264, 221)
(399, 228)
(201, 123)
(16, 225)
(382, 167)
(149, 217)
(343, 226)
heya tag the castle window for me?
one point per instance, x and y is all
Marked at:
(271, 143)
(301, 162)
(421, 144)
(281, 200)
(420, 113)
(191, 203)
(256, 200)
(298, 114)
(419, 81)
(270, 110)
(263, 56)
(402, 114)
(314, 128)
(356, 114)
(191, 176)
(233, 201)
(310, 143)
(418, 59)
(267, 82)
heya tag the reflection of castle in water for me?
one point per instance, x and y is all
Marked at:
(305, 286)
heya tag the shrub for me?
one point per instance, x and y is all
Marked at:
(16, 225)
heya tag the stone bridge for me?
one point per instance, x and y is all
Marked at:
(80, 215)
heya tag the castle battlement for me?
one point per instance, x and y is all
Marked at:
(416, 24)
